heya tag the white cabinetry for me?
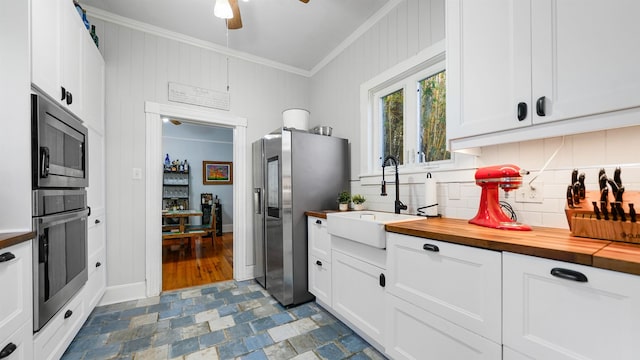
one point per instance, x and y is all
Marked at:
(358, 294)
(557, 310)
(319, 243)
(16, 312)
(53, 339)
(502, 53)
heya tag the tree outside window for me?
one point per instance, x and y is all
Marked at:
(432, 132)
(393, 125)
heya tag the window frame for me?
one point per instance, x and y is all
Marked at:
(407, 75)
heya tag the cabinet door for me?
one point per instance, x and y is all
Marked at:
(555, 317)
(462, 284)
(413, 333)
(96, 188)
(16, 284)
(357, 294)
(46, 49)
(584, 56)
(319, 238)
(93, 85)
(320, 279)
(22, 341)
(488, 66)
(72, 33)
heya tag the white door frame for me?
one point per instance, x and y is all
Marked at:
(153, 180)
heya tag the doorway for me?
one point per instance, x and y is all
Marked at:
(197, 179)
(154, 170)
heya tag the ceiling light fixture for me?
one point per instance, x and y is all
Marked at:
(222, 9)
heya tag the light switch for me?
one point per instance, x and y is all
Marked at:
(137, 173)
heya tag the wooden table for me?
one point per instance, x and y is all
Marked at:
(181, 215)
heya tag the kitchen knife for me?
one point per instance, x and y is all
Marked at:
(583, 191)
(621, 213)
(576, 193)
(574, 176)
(602, 179)
(619, 194)
(604, 194)
(632, 213)
(614, 212)
(596, 210)
(570, 196)
(603, 208)
(616, 176)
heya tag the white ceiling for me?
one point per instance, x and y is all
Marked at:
(285, 31)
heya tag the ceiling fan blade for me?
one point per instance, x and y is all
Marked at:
(175, 122)
(305, 1)
(236, 21)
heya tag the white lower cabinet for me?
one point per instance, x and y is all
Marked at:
(55, 337)
(461, 284)
(557, 310)
(19, 345)
(358, 295)
(320, 279)
(413, 333)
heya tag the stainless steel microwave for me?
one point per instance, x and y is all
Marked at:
(58, 146)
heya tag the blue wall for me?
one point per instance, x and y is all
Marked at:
(198, 143)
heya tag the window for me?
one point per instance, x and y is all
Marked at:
(403, 114)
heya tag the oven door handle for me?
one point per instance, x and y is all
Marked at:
(55, 219)
(44, 162)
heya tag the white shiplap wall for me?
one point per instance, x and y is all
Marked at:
(139, 66)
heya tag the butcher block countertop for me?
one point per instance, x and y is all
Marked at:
(10, 239)
(550, 243)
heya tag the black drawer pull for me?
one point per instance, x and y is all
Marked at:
(97, 221)
(522, 111)
(383, 280)
(569, 274)
(98, 264)
(64, 93)
(69, 98)
(6, 257)
(319, 222)
(540, 106)
(8, 350)
(68, 314)
(430, 247)
(318, 262)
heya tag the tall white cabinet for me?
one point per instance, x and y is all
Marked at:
(514, 64)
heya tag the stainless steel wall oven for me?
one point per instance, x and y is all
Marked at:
(60, 212)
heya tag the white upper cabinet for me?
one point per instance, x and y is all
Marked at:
(513, 64)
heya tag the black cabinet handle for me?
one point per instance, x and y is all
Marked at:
(383, 280)
(318, 262)
(540, 106)
(430, 247)
(569, 274)
(68, 314)
(6, 257)
(64, 93)
(69, 98)
(98, 264)
(8, 350)
(522, 111)
(97, 221)
(319, 222)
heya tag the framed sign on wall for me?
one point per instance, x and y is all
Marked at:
(217, 172)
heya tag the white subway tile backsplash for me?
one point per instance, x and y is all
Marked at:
(589, 149)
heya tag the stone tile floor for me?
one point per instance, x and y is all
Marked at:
(226, 320)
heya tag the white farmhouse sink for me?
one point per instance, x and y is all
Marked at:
(366, 227)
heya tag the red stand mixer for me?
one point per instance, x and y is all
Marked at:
(506, 177)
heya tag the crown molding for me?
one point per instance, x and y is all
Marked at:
(158, 31)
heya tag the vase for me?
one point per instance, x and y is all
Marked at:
(358, 207)
(343, 207)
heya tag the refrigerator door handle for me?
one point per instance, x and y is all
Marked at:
(257, 201)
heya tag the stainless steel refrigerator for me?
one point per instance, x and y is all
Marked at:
(293, 172)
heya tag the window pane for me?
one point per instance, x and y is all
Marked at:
(433, 126)
(393, 125)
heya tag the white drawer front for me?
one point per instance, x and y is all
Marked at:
(417, 334)
(55, 337)
(459, 283)
(16, 281)
(97, 282)
(552, 317)
(319, 238)
(21, 342)
(320, 279)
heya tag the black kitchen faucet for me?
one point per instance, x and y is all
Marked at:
(398, 205)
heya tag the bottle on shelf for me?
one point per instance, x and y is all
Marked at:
(186, 166)
(167, 163)
(94, 36)
(84, 19)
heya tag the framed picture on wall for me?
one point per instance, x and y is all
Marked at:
(217, 172)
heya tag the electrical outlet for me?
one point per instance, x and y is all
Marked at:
(530, 194)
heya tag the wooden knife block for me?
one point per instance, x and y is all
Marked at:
(583, 222)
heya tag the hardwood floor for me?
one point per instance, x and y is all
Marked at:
(203, 264)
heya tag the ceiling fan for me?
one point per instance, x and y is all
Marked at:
(235, 22)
